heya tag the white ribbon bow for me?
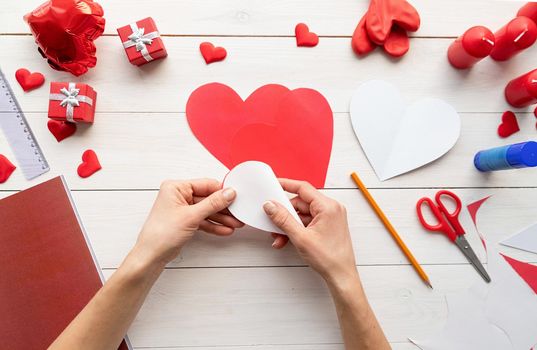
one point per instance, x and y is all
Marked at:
(139, 39)
(70, 98)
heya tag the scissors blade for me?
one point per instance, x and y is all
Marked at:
(463, 245)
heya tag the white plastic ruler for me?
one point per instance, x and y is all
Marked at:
(13, 123)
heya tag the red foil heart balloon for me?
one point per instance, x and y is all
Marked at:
(291, 130)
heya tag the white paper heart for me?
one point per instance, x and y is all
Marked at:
(398, 138)
(255, 183)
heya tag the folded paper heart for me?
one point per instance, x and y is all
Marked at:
(61, 129)
(211, 53)
(398, 138)
(509, 125)
(304, 37)
(90, 164)
(6, 169)
(291, 130)
(255, 184)
(29, 81)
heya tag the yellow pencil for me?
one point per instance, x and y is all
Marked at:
(390, 228)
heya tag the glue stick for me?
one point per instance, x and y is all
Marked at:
(518, 155)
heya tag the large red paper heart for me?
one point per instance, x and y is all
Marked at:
(304, 37)
(6, 169)
(211, 53)
(61, 129)
(509, 125)
(90, 164)
(291, 130)
(29, 81)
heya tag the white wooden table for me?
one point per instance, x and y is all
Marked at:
(238, 293)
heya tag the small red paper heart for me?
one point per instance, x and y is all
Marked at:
(29, 81)
(304, 37)
(6, 169)
(61, 129)
(211, 53)
(90, 164)
(509, 125)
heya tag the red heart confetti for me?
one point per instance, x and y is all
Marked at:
(61, 129)
(211, 53)
(509, 125)
(291, 130)
(29, 81)
(6, 169)
(90, 164)
(304, 37)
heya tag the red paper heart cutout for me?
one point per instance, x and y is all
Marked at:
(509, 124)
(61, 129)
(291, 130)
(383, 14)
(90, 164)
(6, 169)
(29, 81)
(397, 43)
(211, 53)
(304, 37)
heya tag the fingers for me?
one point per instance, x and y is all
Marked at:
(204, 187)
(300, 206)
(226, 220)
(279, 241)
(214, 203)
(303, 189)
(215, 229)
(281, 217)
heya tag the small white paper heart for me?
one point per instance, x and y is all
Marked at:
(398, 138)
(256, 183)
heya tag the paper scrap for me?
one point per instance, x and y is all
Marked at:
(524, 240)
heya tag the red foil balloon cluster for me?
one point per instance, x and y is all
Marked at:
(65, 30)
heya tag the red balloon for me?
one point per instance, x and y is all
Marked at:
(65, 30)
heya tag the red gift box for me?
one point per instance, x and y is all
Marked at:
(72, 102)
(142, 42)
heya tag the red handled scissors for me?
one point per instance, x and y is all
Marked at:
(449, 225)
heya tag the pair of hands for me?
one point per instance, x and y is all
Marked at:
(183, 207)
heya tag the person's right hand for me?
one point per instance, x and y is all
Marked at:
(324, 243)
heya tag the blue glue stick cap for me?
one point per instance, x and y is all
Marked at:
(522, 155)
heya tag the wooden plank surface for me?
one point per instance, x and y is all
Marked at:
(275, 18)
(331, 68)
(170, 150)
(237, 292)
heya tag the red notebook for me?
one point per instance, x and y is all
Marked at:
(48, 272)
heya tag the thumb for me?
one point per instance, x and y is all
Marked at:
(214, 203)
(281, 217)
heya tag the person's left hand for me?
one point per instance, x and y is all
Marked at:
(181, 208)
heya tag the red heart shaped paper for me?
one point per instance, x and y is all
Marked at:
(509, 125)
(291, 130)
(29, 81)
(6, 169)
(61, 129)
(90, 164)
(304, 37)
(211, 53)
